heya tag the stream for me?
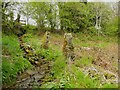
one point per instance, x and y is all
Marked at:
(38, 75)
(34, 77)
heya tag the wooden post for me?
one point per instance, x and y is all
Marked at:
(68, 49)
(45, 41)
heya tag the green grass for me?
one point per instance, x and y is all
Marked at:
(63, 78)
(48, 54)
(71, 79)
(84, 61)
(84, 40)
(79, 80)
(12, 59)
(76, 78)
(60, 68)
(109, 86)
(59, 65)
(35, 42)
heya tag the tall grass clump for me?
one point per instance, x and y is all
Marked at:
(12, 59)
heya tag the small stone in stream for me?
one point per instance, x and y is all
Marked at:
(42, 72)
(32, 61)
(38, 77)
(30, 72)
(37, 63)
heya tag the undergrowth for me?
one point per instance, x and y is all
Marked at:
(13, 62)
(12, 59)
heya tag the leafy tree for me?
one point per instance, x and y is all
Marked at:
(69, 16)
(39, 13)
(7, 16)
(45, 14)
(52, 15)
(73, 17)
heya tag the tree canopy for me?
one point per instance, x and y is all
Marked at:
(65, 16)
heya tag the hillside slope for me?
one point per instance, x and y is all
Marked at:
(95, 65)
